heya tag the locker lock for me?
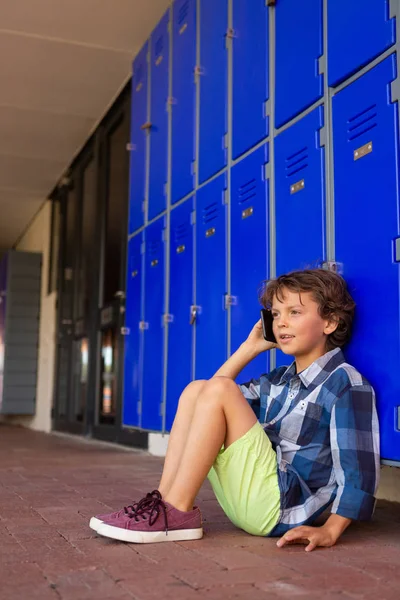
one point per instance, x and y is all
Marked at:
(332, 265)
(194, 311)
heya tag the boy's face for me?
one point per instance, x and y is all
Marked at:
(298, 327)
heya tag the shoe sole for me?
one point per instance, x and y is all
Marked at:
(95, 523)
(144, 537)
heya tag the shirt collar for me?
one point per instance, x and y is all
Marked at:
(320, 369)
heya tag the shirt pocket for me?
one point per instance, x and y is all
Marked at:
(301, 424)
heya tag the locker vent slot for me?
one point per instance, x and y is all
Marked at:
(159, 45)
(297, 162)
(247, 191)
(210, 213)
(180, 233)
(158, 49)
(153, 248)
(361, 123)
(183, 12)
(139, 75)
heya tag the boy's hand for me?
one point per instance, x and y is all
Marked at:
(256, 340)
(313, 536)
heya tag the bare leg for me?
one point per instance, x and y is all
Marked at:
(222, 415)
(179, 433)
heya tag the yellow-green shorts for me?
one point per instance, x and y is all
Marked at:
(245, 481)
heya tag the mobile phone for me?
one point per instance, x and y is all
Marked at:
(266, 320)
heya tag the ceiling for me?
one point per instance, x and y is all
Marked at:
(62, 63)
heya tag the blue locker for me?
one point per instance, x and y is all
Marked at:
(358, 31)
(211, 285)
(153, 355)
(300, 199)
(300, 195)
(159, 117)
(249, 250)
(365, 129)
(179, 372)
(184, 94)
(250, 74)
(299, 45)
(213, 87)
(139, 115)
(134, 337)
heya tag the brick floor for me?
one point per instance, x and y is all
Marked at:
(51, 485)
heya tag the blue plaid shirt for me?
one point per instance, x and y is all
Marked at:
(323, 425)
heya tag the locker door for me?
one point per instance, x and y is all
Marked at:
(183, 108)
(299, 45)
(134, 337)
(365, 127)
(159, 117)
(300, 195)
(250, 74)
(154, 333)
(300, 199)
(249, 243)
(358, 31)
(137, 182)
(213, 87)
(211, 323)
(181, 298)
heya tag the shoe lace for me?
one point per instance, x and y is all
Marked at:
(151, 506)
(132, 508)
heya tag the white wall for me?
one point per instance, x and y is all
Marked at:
(37, 239)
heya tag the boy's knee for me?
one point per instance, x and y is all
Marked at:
(221, 386)
(194, 387)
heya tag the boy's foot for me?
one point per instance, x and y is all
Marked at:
(156, 521)
(98, 520)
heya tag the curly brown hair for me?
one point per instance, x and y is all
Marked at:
(329, 291)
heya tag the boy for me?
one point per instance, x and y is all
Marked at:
(293, 442)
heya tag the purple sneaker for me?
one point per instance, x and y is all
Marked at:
(98, 520)
(155, 521)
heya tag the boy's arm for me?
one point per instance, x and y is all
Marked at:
(252, 347)
(354, 436)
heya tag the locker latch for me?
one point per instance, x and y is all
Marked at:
(146, 126)
(125, 331)
(230, 301)
(194, 311)
(332, 265)
(168, 319)
(143, 326)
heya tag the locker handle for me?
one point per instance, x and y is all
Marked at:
(146, 126)
(193, 315)
(194, 311)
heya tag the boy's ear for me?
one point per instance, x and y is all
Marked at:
(331, 325)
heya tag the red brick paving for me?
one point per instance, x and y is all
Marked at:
(51, 485)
